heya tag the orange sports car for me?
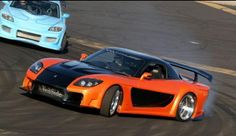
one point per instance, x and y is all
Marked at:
(120, 80)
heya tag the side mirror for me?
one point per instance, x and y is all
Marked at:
(146, 75)
(65, 15)
(6, 2)
(83, 56)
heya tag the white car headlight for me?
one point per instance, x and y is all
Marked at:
(55, 29)
(8, 17)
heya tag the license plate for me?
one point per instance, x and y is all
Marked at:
(51, 91)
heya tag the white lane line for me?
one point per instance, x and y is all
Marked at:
(4, 132)
(98, 45)
(193, 42)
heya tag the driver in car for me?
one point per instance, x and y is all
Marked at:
(22, 4)
(157, 73)
(118, 60)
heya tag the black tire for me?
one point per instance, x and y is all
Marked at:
(190, 104)
(64, 44)
(107, 101)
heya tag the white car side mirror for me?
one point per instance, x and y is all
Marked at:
(65, 15)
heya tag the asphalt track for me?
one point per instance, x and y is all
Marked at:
(186, 31)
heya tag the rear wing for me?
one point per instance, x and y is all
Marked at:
(194, 70)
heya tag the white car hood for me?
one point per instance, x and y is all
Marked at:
(22, 15)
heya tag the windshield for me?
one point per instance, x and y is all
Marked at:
(116, 61)
(38, 7)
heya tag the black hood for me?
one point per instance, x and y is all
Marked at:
(61, 75)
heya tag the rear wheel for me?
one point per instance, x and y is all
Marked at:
(186, 107)
(110, 101)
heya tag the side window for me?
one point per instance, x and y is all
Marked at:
(157, 71)
(104, 57)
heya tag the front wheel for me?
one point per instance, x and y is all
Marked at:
(110, 101)
(186, 107)
(64, 44)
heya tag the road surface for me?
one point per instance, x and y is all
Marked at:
(186, 31)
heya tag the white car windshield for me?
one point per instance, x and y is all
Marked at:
(38, 7)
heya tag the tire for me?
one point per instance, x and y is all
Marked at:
(110, 101)
(64, 44)
(186, 107)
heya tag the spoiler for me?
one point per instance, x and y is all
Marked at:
(194, 70)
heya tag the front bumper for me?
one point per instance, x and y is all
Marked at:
(87, 99)
(45, 39)
(58, 94)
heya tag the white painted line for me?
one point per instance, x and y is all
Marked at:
(219, 7)
(193, 42)
(4, 132)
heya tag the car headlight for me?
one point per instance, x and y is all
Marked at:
(55, 29)
(88, 82)
(8, 17)
(36, 67)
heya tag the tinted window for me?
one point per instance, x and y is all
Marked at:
(116, 61)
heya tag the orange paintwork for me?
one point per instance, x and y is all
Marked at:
(93, 96)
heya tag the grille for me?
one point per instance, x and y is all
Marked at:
(29, 36)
